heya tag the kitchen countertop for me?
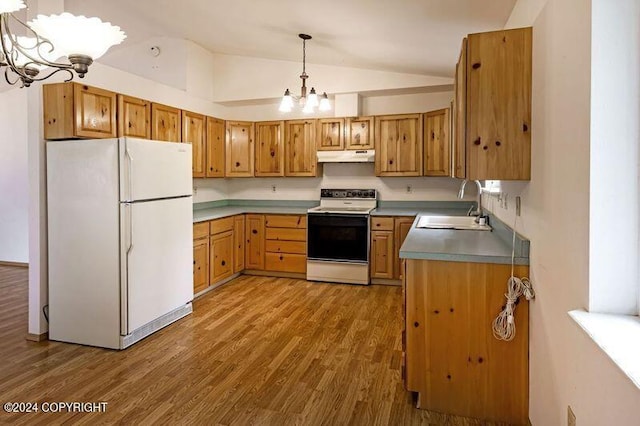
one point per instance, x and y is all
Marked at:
(217, 210)
(465, 245)
(413, 208)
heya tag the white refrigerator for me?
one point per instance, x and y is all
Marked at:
(120, 239)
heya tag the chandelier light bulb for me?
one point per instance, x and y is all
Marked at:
(308, 109)
(313, 98)
(286, 105)
(324, 103)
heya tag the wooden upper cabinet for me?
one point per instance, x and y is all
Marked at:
(398, 142)
(215, 147)
(166, 123)
(437, 144)
(300, 148)
(498, 110)
(460, 113)
(269, 148)
(239, 149)
(193, 132)
(73, 110)
(359, 133)
(330, 134)
(134, 117)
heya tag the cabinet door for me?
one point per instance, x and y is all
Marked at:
(193, 132)
(402, 226)
(238, 243)
(300, 148)
(134, 117)
(215, 147)
(436, 143)
(382, 255)
(166, 123)
(95, 112)
(254, 250)
(459, 143)
(359, 133)
(200, 265)
(499, 105)
(330, 134)
(239, 149)
(221, 264)
(398, 141)
(270, 148)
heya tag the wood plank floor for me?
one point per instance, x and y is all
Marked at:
(265, 351)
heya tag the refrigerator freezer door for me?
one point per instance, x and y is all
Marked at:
(157, 254)
(151, 170)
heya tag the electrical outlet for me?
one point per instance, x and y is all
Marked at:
(518, 206)
(503, 202)
(409, 189)
(273, 188)
(195, 190)
(571, 418)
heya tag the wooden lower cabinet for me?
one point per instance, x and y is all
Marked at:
(238, 243)
(221, 256)
(254, 248)
(387, 235)
(452, 359)
(200, 264)
(285, 243)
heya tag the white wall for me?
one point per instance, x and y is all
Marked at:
(566, 367)
(14, 183)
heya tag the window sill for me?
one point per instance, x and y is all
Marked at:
(617, 335)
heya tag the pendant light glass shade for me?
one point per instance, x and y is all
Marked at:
(324, 103)
(78, 35)
(312, 100)
(286, 105)
(9, 6)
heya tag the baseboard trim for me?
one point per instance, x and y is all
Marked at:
(216, 285)
(384, 281)
(18, 264)
(275, 274)
(37, 337)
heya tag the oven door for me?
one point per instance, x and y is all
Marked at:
(338, 237)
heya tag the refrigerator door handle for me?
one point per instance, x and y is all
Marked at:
(127, 154)
(124, 287)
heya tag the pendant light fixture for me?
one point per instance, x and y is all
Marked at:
(77, 40)
(310, 102)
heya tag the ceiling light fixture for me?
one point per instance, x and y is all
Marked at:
(308, 103)
(78, 39)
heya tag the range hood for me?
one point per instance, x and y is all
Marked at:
(361, 156)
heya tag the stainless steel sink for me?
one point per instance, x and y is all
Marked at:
(451, 222)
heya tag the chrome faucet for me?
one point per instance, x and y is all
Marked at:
(478, 211)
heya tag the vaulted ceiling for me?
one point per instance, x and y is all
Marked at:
(408, 36)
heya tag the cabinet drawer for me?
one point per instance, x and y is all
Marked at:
(285, 262)
(286, 234)
(381, 223)
(282, 221)
(200, 230)
(221, 225)
(297, 247)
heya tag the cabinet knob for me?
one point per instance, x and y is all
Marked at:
(281, 258)
(223, 263)
(237, 164)
(416, 324)
(390, 161)
(254, 231)
(476, 65)
(498, 143)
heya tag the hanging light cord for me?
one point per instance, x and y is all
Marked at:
(504, 326)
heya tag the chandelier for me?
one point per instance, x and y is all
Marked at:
(307, 103)
(75, 40)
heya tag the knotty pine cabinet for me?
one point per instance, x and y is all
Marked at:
(255, 241)
(359, 133)
(77, 111)
(286, 243)
(387, 235)
(238, 242)
(134, 117)
(300, 148)
(215, 147)
(194, 133)
(239, 149)
(200, 256)
(221, 251)
(493, 106)
(166, 123)
(269, 148)
(437, 143)
(451, 358)
(330, 134)
(398, 144)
